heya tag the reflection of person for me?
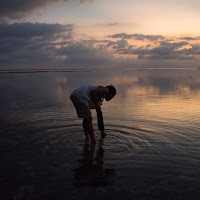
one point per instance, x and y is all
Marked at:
(91, 97)
(91, 170)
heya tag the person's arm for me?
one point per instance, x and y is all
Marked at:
(100, 123)
(100, 120)
(100, 92)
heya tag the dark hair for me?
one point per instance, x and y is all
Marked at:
(112, 90)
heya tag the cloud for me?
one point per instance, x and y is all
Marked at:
(84, 53)
(137, 36)
(30, 30)
(108, 24)
(112, 24)
(118, 44)
(189, 38)
(40, 45)
(31, 43)
(86, 1)
(168, 50)
(15, 8)
(12, 9)
(19, 36)
(165, 50)
(194, 50)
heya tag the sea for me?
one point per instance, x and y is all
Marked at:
(152, 147)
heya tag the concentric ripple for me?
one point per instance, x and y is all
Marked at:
(151, 151)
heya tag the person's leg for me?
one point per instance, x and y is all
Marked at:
(88, 125)
(86, 129)
(83, 111)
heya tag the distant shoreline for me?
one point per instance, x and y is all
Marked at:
(40, 71)
(23, 71)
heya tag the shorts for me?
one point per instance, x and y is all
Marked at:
(82, 109)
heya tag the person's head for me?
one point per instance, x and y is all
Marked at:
(111, 94)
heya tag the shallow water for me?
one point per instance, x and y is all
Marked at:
(151, 150)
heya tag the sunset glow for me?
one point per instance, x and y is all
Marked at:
(87, 32)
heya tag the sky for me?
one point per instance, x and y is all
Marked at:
(99, 33)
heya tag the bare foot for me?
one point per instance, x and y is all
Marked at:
(93, 141)
(103, 134)
(87, 136)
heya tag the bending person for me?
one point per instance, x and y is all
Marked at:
(91, 97)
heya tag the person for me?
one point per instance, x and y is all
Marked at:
(91, 97)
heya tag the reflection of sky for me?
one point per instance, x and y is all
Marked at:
(175, 87)
(152, 125)
(163, 81)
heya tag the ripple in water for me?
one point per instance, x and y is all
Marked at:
(151, 150)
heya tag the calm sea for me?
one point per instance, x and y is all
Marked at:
(152, 150)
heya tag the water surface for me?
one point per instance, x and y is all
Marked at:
(152, 150)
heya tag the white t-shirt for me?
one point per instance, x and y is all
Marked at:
(84, 95)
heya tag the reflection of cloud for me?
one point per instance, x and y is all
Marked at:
(124, 80)
(143, 90)
(156, 93)
(61, 84)
(162, 82)
(59, 93)
(62, 80)
(184, 89)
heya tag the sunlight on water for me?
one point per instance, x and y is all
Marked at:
(151, 150)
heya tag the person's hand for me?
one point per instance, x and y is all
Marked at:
(93, 142)
(103, 134)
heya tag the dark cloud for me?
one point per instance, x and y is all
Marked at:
(137, 51)
(121, 35)
(168, 50)
(18, 8)
(118, 44)
(109, 24)
(113, 24)
(137, 36)
(165, 50)
(30, 30)
(84, 53)
(29, 43)
(40, 45)
(194, 50)
(86, 1)
(20, 36)
(189, 38)
(48, 45)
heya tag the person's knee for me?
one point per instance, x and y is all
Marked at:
(87, 120)
(88, 124)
